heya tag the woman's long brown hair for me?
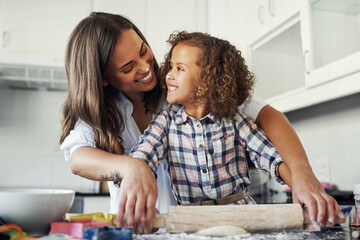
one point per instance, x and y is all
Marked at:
(88, 52)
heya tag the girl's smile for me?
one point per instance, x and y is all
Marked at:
(172, 88)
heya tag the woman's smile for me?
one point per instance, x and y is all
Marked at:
(147, 78)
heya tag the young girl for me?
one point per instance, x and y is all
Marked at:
(204, 144)
(113, 94)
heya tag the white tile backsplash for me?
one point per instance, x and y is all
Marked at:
(29, 133)
(331, 130)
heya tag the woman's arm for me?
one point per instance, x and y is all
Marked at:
(306, 188)
(138, 185)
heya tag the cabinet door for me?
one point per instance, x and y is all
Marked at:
(331, 39)
(165, 17)
(265, 16)
(40, 27)
(257, 19)
(282, 10)
(277, 64)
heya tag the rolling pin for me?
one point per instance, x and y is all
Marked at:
(250, 217)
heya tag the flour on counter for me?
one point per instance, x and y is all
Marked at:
(223, 231)
(184, 236)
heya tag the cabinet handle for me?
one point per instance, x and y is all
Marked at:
(261, 14)
(306, 62)
(271, 8)
(5, 39)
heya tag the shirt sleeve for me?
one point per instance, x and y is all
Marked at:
(81, 135)
(153, 144)
(261, 151)
(252, 107)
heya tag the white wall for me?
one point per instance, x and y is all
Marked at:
(29, 134)
(330, 135)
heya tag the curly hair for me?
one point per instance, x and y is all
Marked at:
(88, 53)
(224, 81)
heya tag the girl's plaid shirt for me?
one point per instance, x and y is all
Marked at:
(206, 158)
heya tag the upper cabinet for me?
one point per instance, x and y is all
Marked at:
(331, 39)
(36, 32)
(264, 16)
(310, 56)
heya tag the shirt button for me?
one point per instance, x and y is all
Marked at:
(204, 170)
(201, 146)
(198, 125)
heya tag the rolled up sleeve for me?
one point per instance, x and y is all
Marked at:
(82, 135)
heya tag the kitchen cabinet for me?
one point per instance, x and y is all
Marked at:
(39, 36)
(278, 63)
(331, 39)
(264, 16)
(156, 24)
(311, 57)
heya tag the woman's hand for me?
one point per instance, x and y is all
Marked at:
(138, 194)
(320, 206)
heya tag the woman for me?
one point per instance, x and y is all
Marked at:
(113, 93)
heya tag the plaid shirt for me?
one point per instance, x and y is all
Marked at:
(206, 158)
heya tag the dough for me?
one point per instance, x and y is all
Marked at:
(225, 230)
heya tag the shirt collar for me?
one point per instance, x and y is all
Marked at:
(182, 117)
(124, 105)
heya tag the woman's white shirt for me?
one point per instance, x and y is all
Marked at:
(83, 135)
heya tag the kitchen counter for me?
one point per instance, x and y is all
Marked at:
(343, 232)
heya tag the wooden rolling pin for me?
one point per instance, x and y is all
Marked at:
(250, 217)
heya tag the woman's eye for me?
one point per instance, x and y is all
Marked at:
(143, 50)
(180, 69)
(127, 70)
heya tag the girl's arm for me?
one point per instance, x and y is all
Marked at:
(138, 185)
(306, 188)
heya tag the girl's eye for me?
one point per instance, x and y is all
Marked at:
(180, 69)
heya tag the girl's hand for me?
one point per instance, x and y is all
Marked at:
(138, 194)
(320, 206)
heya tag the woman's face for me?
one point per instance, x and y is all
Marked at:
(182, 76)
(131, 67)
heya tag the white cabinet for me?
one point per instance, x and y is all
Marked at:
(331, 39)
(312, 57)
(277, 62)
(39, 28)
(165, 17)
(157, 19)
(263, 16)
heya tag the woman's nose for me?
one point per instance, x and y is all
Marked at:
(145, 68)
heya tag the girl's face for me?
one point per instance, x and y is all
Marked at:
(182, 76)
(131, 67)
